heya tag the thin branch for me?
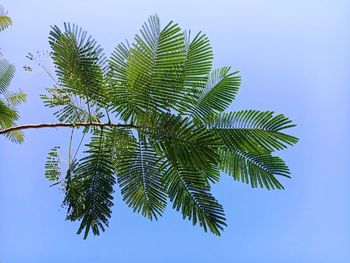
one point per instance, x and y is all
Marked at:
(76, 124)
(77, 150)
(70, 148)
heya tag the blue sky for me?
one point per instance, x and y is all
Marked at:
(294, 58)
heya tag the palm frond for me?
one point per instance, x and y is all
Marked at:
(70, 107)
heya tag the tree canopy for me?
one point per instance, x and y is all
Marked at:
(9, 100)
(155, 115)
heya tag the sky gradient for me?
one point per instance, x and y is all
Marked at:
(294, 58)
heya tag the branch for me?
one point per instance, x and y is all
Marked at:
(76, 124)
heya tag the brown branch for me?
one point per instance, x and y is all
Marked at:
(76, 124)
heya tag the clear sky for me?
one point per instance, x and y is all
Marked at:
(294, 58)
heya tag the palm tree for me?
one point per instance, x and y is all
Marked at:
(8, 100)
(155, 111)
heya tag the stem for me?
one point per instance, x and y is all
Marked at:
(75, 124)
(81, 141)
(70, 148)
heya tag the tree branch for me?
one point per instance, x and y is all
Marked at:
(76, 124)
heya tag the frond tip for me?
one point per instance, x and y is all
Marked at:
(53, 165)
(5, 20)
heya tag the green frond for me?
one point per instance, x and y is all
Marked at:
(140, 180)
(252, 131)
(150, 72)
(5, 20)
(71, 107)
(80, 63)
(15, 136)
(190, 194)
(7, 71)
(53, 165)
(199, 60)
(254, 169)
(90, 186)
(211, 174)
(198, 63)
(220, 90)
(8, 111)
(7, 115)
(14, 99)
(181, 141)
